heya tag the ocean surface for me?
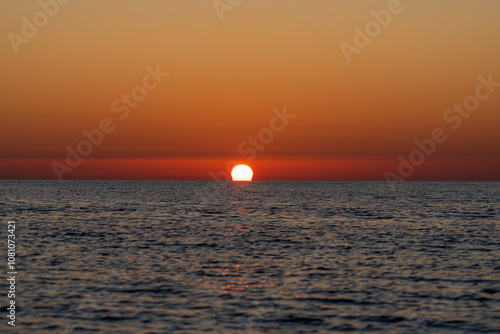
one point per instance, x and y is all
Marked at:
(258, 257)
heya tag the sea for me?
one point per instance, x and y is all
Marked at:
(252, 257)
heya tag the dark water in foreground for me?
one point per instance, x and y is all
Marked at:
(261, 257)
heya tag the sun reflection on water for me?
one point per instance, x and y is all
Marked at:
(238, 278)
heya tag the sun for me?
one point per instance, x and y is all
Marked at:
(242, 173)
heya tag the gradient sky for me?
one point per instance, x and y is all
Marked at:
(352, 120)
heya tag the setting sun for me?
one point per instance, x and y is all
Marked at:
(242, 173)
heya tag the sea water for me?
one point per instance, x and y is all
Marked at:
(256, 257)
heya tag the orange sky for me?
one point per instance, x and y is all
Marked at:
(352, 119)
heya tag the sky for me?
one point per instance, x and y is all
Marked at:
(298, 90)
